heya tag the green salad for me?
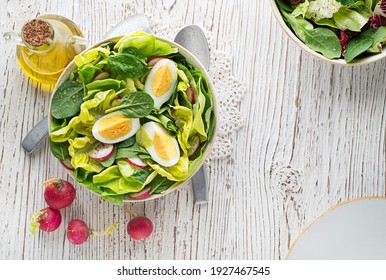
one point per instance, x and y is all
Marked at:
(347, 29)
(133, 119)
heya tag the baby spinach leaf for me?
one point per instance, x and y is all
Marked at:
(325, 41)
(357, 46)
(127, 143)
(135, 52)
(160, 184)
(59, 149)
(379, 37)
(320, 39)
(284, 6)
(67, 100)
(129, 152)
(127, 65)
(134, 105)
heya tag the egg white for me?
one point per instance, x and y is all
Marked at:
(151, 128)
(135, 125)
(160, 100)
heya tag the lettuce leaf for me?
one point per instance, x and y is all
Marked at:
(184, 120)
(79, 157)
(347, 19)
(146, 43)
(177, 172)
(92, 56)
(317, 10)
(111, 178)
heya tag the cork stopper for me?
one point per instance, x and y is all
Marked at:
(37, 32)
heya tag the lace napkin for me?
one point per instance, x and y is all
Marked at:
(229, 91)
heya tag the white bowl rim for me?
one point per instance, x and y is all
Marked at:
(190, 59)
(297, 41)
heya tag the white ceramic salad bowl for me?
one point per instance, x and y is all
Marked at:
(84, 178)
(338, 61)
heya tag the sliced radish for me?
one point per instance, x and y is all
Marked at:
(190, 94)
(152, 61)
(137, 162)
(67, 164)
(145, 193)
(101, 76)
(118, 98)
(194, 145)
(102, 151)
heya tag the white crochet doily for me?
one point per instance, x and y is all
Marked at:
(229, 91)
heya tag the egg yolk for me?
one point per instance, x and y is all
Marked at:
(162, 80)
(164, 146)
(114, 127)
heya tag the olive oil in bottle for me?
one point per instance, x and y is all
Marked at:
(49, 43)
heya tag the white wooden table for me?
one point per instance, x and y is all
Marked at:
(314, 136)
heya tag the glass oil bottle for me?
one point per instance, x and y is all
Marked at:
(46, 46)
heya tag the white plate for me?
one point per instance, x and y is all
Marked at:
(353, 230)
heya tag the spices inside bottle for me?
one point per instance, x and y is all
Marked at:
(46, 50)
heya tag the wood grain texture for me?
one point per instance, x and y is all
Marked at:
(314, 136)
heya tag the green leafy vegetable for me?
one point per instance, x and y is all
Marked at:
(135, 105)
(320, 39)
(160, 184)
(67, 100)
(59, 149)
(347, 19)
(357, 46)
(129, 152)
(127, 65)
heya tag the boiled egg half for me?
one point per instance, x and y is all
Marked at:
(162, 147)
(161, 81)
(114, 127)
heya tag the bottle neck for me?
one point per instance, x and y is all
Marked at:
(38, 35)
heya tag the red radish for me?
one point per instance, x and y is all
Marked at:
(140, 228)
(152, 61)
(137, 162)
(101, 152)
(59, 193)
(190, 95)
(101, 76)
(67, 164)
(47, 219)
(145, 193)
(194, 142)
(119, 98)
(77, 232)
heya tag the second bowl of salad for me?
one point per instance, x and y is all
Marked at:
(133, 117)
(345, 32)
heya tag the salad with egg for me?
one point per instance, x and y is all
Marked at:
(133, 119)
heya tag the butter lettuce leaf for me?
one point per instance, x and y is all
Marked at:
(146, 43)
(183, 117)
(177, 172)
(92, 56)
(347, 19)
(78, 151)
(111, 178)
